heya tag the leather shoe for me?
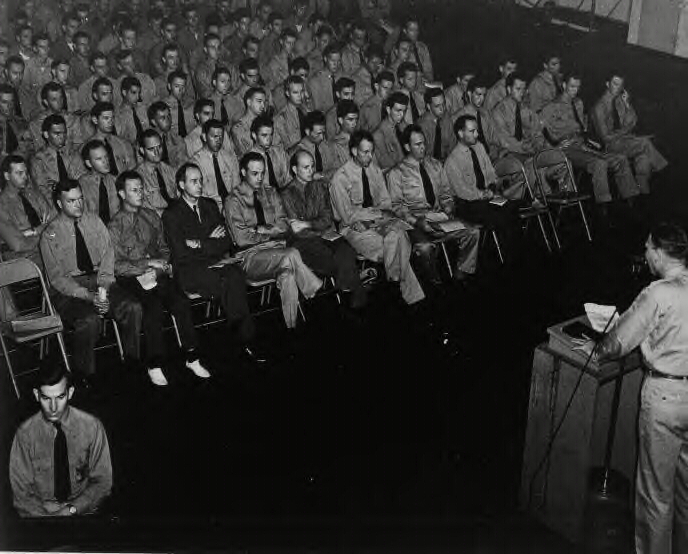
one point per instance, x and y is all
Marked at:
(253, 355)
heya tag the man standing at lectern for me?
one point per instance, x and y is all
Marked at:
(658, 323)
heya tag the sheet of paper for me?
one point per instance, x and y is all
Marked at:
(147, 280)
(436, 217)
(599, 315)
(451, 226)
(498, 201)
(331, 235)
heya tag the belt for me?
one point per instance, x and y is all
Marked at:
(662, 375)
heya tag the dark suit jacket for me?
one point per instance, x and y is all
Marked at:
(181, 224)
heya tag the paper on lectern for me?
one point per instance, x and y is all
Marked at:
(599, 315)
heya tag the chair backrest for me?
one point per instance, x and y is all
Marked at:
(508, 166)
(20, 270)
(550, 157)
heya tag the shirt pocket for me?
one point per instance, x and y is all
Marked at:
(44, 476)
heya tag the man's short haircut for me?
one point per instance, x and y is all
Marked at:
(375, 51)
(6, 89)
(476, 82)
(57, 62)
(250, 93)
(100, 82)
(248, 40)
(432, 93)
(405, 68)
(261, 121)
(40, 37)
(288, 33)
(155, 14)
(358, 136)
(299, 64)
(397, 98)
(356, 25)
(212, 124)
(342, 83)
(334, 48)
(102, 107)
(97, 55)
(155, 108)
(52, 119)
(247, 64)
(573, 74)
(127, 175)
(123, 55)
(63, 185)
(292, 80)
(81, 34)
(52, 86)
(51, 371)
(513, 77)
(670, 238)
(324, 30)
(180, 176)
(128, 83)
(314, 118)
(89, 147)
(70, 16)
(242, 13)
(384, 76)
(9, 161)
(403, 37)
(221, 70)
(169, 47)
(294, 160)
(346, 107)
(460, 123)
(176, 74)
(148, 133)
(210, 36)
(14, 60)
(200, 104)
(406, 135)
(250, 157)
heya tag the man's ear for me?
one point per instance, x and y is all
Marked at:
(71, 392)
(37, 395)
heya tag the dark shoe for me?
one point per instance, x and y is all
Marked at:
(253, 355)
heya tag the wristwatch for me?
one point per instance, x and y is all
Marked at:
(72, 509)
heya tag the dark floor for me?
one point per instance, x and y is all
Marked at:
(403, 434)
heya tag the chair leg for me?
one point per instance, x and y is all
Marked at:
(544, 233)
(303, 316)
(176, 330)
(118, 339)
(585, 221)
(499, 249)
(269, 293)
(554, 230)
(446, 259)
(63, 351)
(9, 365)
(336, 292)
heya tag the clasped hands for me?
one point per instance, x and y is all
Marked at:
(218, 233)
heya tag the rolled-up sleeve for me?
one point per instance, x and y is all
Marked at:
(636, 323)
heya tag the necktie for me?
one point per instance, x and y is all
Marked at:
(518, 126)
(437, 147)
(302, 122)
(165, 153)
(103, 202)
(224, 116)
(221, 187)
(258, 207)
(17, 104)
(62, 483)
(576, 115)
(83, 257)
(162, 187)
(398, 133)
(318, 159)
(383, 111)
(332, 85)
(367, 197)
(615, 114)
(181, 122)
(416, 55)
(111, 157)
(114, 130)
(61, 168)
(481, 135)
(31, 213)
(197, 213)
(414, 109)
(137, 123)
(427, 185)
(479, 176)
(272, 179)
(11, 142)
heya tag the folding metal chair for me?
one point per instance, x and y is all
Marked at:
(18, 271)
(510, 168)
(547, 159)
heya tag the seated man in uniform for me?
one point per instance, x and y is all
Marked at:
(362, 207)
(307, 204)
(276, 162)
(615, 119)
(141, 252)
(387, 136)
(60, 459)
(437, 125)
(422, 197)
(79, 262)
(256, 217)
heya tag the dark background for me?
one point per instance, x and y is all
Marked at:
(404, 433)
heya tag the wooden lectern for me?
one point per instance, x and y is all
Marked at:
(558, 494)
